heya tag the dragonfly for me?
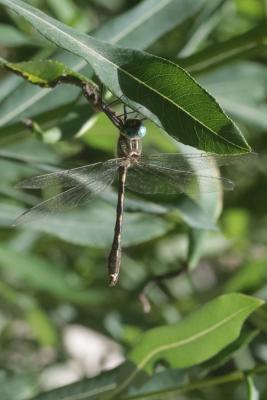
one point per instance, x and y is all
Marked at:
(163, 173)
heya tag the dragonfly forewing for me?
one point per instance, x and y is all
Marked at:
(70, 177)
(196, 161)
(87, 182)
(149, 179)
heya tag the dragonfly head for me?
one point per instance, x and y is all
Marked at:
(134, 129)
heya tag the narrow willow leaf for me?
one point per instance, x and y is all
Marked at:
(28, 101)
(240, 88)
(239, 47)
(46, 73)
(137, 26)
(12, 37)
(211, 204)
(195, 339)
(8, 85)
(249, 277)
(183, 108)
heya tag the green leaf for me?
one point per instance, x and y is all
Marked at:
(198, 337)
(136, 27)
(8, 85)
(193, 340)
(240, 89)
(187, 111)
(46, 73)
(42, 327)
(39, 274)
(93, 226)
(211, 204)
(250, 43)
(245, 338)
(28, 101)
(10, 37)
(91, 388)
(252, 391)
(248, 277)
(18, 386)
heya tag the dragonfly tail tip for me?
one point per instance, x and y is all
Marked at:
(112, 279)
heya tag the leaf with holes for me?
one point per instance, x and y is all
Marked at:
(47, 73)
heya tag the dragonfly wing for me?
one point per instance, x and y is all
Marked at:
(69, 177)
(72, 197)
(195, 162)
(149, 179)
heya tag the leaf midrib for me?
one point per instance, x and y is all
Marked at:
(100, 57)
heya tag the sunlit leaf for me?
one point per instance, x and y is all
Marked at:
(192, 341)
(245, 338)
(198, 337)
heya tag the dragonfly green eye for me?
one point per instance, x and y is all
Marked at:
(142, 131)
(134, 128)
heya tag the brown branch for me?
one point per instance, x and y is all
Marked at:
(159, 280)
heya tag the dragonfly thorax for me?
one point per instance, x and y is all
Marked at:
(129, 148)
(129, 143)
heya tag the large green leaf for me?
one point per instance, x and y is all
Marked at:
(228, 353)
(28, 101)
(184, 109)
(195, 339)
(198, 337)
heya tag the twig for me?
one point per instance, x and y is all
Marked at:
(159, 281)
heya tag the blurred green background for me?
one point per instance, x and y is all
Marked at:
(59, 321)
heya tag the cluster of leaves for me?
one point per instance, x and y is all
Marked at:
(173, 349)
